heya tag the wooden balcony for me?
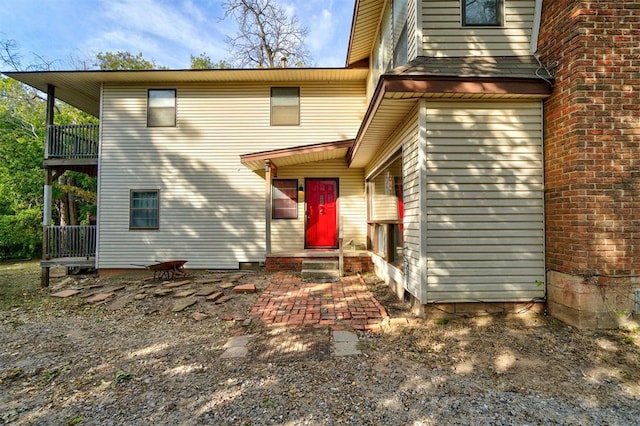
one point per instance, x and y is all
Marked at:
(69, 246)
(72, 147)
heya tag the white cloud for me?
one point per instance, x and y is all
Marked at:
(163, 31)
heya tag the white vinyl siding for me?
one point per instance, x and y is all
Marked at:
(288, 235)
(484, 195)
(405, 139)
(212, 207)
(412, 33)
(443, 34)
(413, 157)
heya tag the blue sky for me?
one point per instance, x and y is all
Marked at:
(166, 31)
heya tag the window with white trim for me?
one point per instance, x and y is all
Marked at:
(161, 108)
(144, 209)
(284, 203)
(285, 106)
(386, 212)
(482, 13)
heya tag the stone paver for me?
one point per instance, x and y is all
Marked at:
(236, 347)
(222, 299)
(100, 297)
(175, 284)
(245, 288)
(345, 343)
(184, 293)
(345, 349)
(289, 301)
(183, 304)
(237, 352)
(341, 336)
(215, 296)
(199, 316)
(207, 290)
(65, 293)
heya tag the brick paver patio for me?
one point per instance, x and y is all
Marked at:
(289, 301)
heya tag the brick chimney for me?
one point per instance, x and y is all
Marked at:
(592, 159)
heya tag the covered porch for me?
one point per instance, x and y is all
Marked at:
(67, 148)
(295, 234)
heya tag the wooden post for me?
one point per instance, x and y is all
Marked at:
(340, 247)
(267, 204)
(48, 181)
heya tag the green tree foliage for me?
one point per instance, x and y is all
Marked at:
(204, 62)
(22, 135)
(123, 61)
(21, 176)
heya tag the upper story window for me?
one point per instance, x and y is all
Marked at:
(144, 209)
(392, 48)
(161, 108)
(399, 32)
(482, 13)
(285, 106)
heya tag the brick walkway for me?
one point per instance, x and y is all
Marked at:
(289, 301)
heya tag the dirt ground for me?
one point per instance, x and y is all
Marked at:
(137, 358)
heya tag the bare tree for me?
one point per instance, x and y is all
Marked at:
(267, 36)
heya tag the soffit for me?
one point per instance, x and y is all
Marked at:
(81, 89)
(366, 18)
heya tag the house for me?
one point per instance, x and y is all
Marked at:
(422, 159)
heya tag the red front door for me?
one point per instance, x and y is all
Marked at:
(322, 224)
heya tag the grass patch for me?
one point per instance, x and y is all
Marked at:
(19, 284)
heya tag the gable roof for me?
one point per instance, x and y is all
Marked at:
(81, 89)
(366, 19)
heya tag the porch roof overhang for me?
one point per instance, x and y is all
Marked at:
(297, 155)
(398, 92)
(81, 89)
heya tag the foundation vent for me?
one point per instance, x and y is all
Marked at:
(636, 293)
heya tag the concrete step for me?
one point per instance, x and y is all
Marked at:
(320, 264)
(320, 270)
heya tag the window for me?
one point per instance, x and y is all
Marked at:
(144, 209)
(161, 108)
(481, 13)
(386, 212)
(284, 196)
(285, 106)
(400, 14)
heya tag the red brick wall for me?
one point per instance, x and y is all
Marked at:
(592, 136)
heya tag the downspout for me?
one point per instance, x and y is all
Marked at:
(535, 31)
(533, 49)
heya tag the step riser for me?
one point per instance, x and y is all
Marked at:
(319, 264)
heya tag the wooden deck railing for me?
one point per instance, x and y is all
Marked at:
(70, 241)
(74, 141)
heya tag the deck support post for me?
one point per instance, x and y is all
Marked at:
(48, 181)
